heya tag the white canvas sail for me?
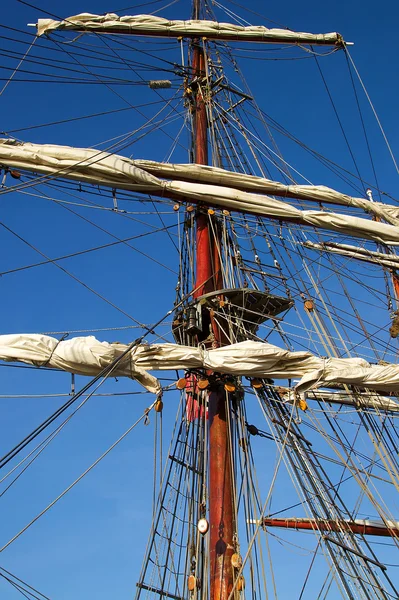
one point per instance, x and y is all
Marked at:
(251, 183)
(123, 172)
(371, 399)
(88, 356)
(102, 168)
(329, 464)
(376, 258)
(157, 26)
(80, 355)
(84, 164)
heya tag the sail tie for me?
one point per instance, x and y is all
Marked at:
(48, 361)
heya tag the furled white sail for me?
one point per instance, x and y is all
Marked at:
(251, 183)
(82, 164)
(365, 399)
(101, 168)
(80, 355)
(269, 207)
(260, 359)
(158, 26)
(125, 173)
(376, 258)
(88, 356)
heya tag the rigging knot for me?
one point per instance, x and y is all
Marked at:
(146, 417)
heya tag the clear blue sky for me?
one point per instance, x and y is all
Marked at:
(91, 544)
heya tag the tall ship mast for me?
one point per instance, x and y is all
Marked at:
(256, 360)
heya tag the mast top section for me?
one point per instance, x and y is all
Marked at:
(149, 25)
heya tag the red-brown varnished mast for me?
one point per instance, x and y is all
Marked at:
(221, 512)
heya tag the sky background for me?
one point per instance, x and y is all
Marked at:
(91, 544)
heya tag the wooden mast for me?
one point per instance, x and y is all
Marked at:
(221, 513)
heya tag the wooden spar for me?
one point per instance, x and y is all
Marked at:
(363, 528)
(179, 29)
(221, 515)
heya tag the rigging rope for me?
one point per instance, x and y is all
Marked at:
(94, 464)
(373, 109)
(17, 68)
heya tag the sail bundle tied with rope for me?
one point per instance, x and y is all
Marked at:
(88, 356)
(79, 355)
(158, 26)
(214, 187)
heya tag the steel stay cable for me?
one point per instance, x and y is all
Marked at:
(84, 82)
(116, 93)
(82, 283)
(244, 7)
(333, 504)
(271, 487)
(59, 18)
(248, 91)
(339, 122)
(75, 80)
(105, 372)
(115, 38)
(24, 583)
(100, 154)
(239, 125)
(90, 54)
(117, 10)
(45, 61)
(308, 496)
(143, 416)
(330, 164)
(93, 115)
(17, 67)
(373, 109)
(298, 483)
(43, 444)
(19, 588)
(112, 235)
(363, 126)
(274, 124)
(88, 250)
(97, 56)
(105, 394)
(351, 465)
(163, 7)
(103, 40)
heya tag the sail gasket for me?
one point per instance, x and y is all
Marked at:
(88, 356)
(102, 168)
(150, 25)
